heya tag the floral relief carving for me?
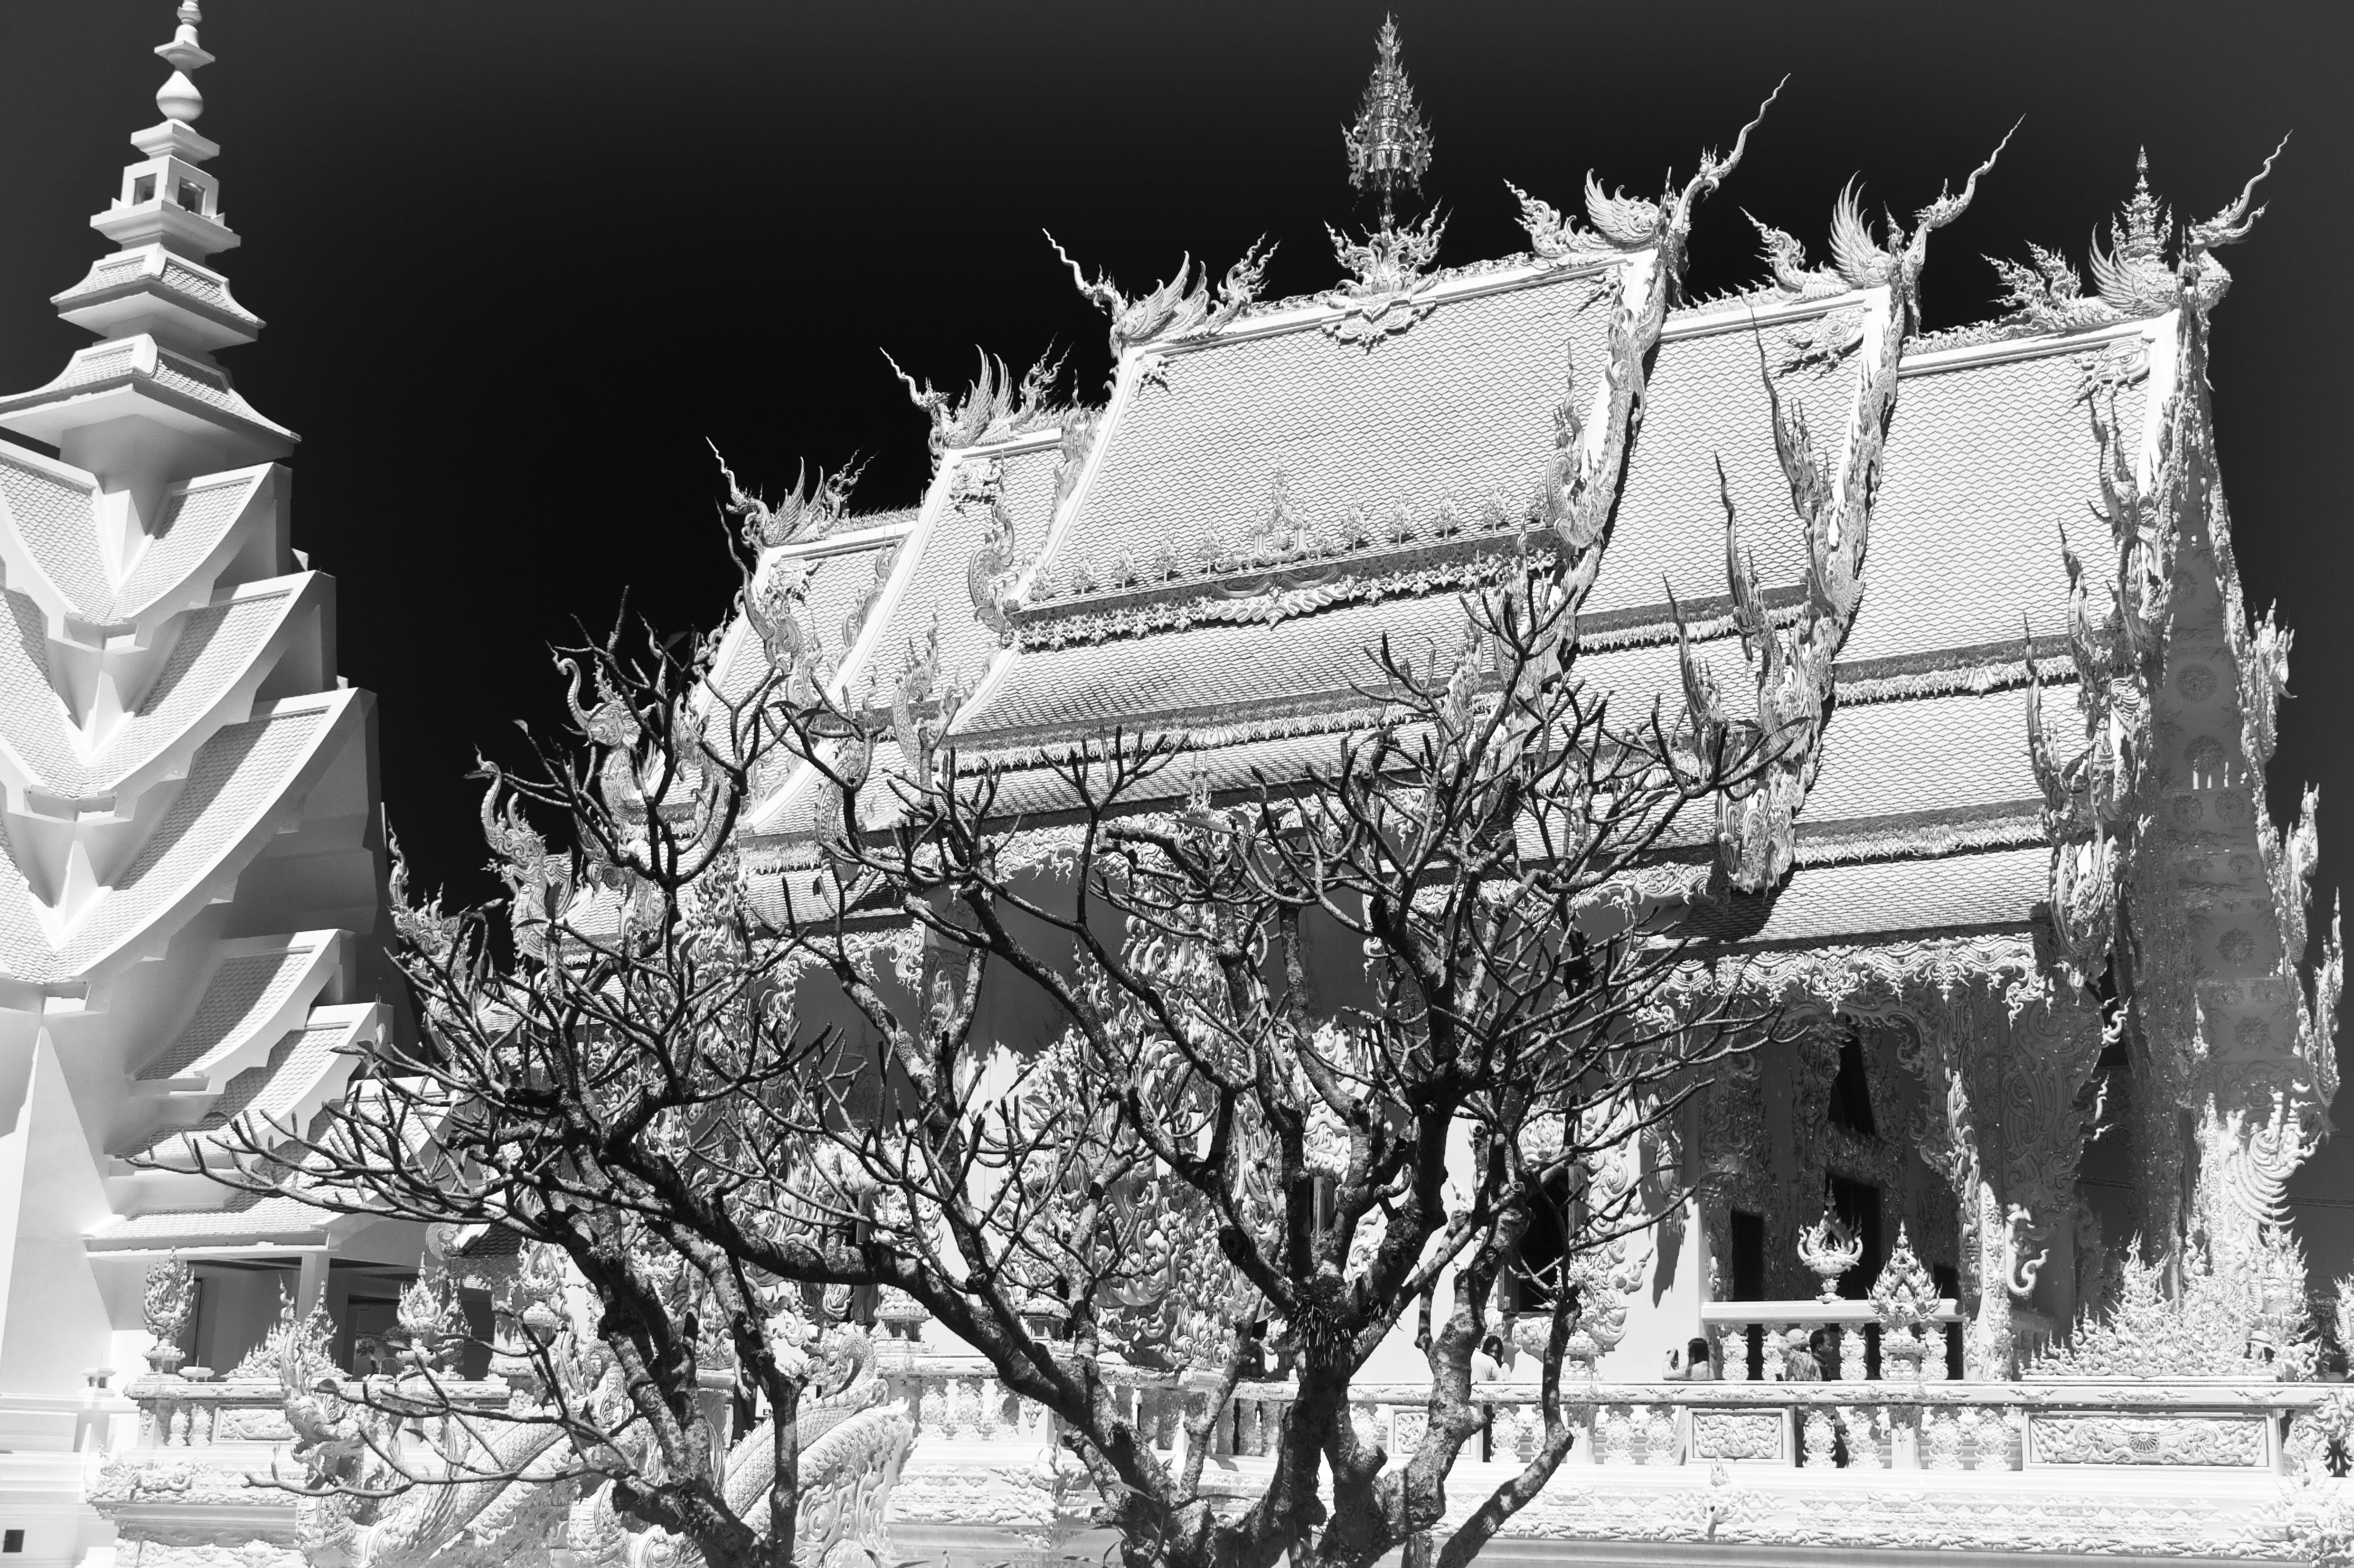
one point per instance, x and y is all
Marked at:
(2072, 1439)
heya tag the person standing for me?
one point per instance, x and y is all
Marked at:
(1488, 1366)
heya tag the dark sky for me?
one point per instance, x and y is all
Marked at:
(520, 258)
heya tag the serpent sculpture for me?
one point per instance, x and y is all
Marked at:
(502, 1488)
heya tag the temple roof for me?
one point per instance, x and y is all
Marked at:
(1274, 488)
(1188, 588)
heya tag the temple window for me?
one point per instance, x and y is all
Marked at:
(1857, 1203)
(1852, 1090)
(1748, 1231)
(192, 195)
(142, 189)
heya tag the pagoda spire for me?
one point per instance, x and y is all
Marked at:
(147, 406)
(1388, 143)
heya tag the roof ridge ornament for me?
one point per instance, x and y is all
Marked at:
(1183, 307)
(2132, 278)
(1389, 143)
(997, 407)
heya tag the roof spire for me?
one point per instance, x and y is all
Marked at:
(2139, 233)
(1388, 143)
(161, 312)
(178, 97)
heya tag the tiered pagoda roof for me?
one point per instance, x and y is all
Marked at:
(190, 859)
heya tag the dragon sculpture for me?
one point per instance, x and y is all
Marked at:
(380, 1489)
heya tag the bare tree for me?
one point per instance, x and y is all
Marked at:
(1221, 1138)
(1230, 1147)
(604, 1048)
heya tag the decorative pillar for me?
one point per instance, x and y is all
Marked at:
(1735, 1153)
(2006, 1058)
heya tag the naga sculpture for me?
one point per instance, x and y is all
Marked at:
(2130, 279)
(1182, 307)
(997, 407)
(511, 1485)
(1777, 755)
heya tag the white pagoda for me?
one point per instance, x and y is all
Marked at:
(192, 865)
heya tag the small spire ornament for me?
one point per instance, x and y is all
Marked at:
(1388, 145)
(2139, 233)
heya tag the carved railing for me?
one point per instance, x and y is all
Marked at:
(2022, 1453)
(191, 1412)
(1875, 1423)
(1867, 1347)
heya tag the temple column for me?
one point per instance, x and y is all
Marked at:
(2006, 1061)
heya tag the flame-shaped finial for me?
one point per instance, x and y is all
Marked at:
(1388, 145)
(178, 97)
(2140, 231)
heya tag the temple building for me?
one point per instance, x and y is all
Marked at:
(2012, 875)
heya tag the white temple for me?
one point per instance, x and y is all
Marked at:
(2019, 880)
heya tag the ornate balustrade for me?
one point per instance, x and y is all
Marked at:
(196, 1465)
(1868, 1348)
(1877, 1424)
(1987, 1464)
(2198, 1469)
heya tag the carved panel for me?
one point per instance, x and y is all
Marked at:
(1736, 1436)
(2233, 1441)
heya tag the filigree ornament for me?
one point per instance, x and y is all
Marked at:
(1775, 758)
(169, 1298)
(1185, 307)
(1828, 1250)
(1905, 1302)
(2132, 278)
(814, 507)
(353, 1503)
(1389, 289)
(2207, 1326)
(1583, 476)
(1785, 263)
(989, 575)
(1389, 144)
(997, 407)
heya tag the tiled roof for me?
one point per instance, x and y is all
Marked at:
(1877, 757)
(236, 780)
(1963, 892)
(1924, 814)
(246, 991)
(214, 646)
(1461, 403)
(938, 580)
(273, 1094)
(243, 1217)
(1250, 666)
(192, 523)
(1986, 465)
(157, 270)
(56, 517)
(1706, 403)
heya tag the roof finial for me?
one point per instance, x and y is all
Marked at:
(2138, 234)
(1388, 145)
(178, 97)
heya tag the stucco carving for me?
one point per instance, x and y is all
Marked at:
(2064, 1439)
